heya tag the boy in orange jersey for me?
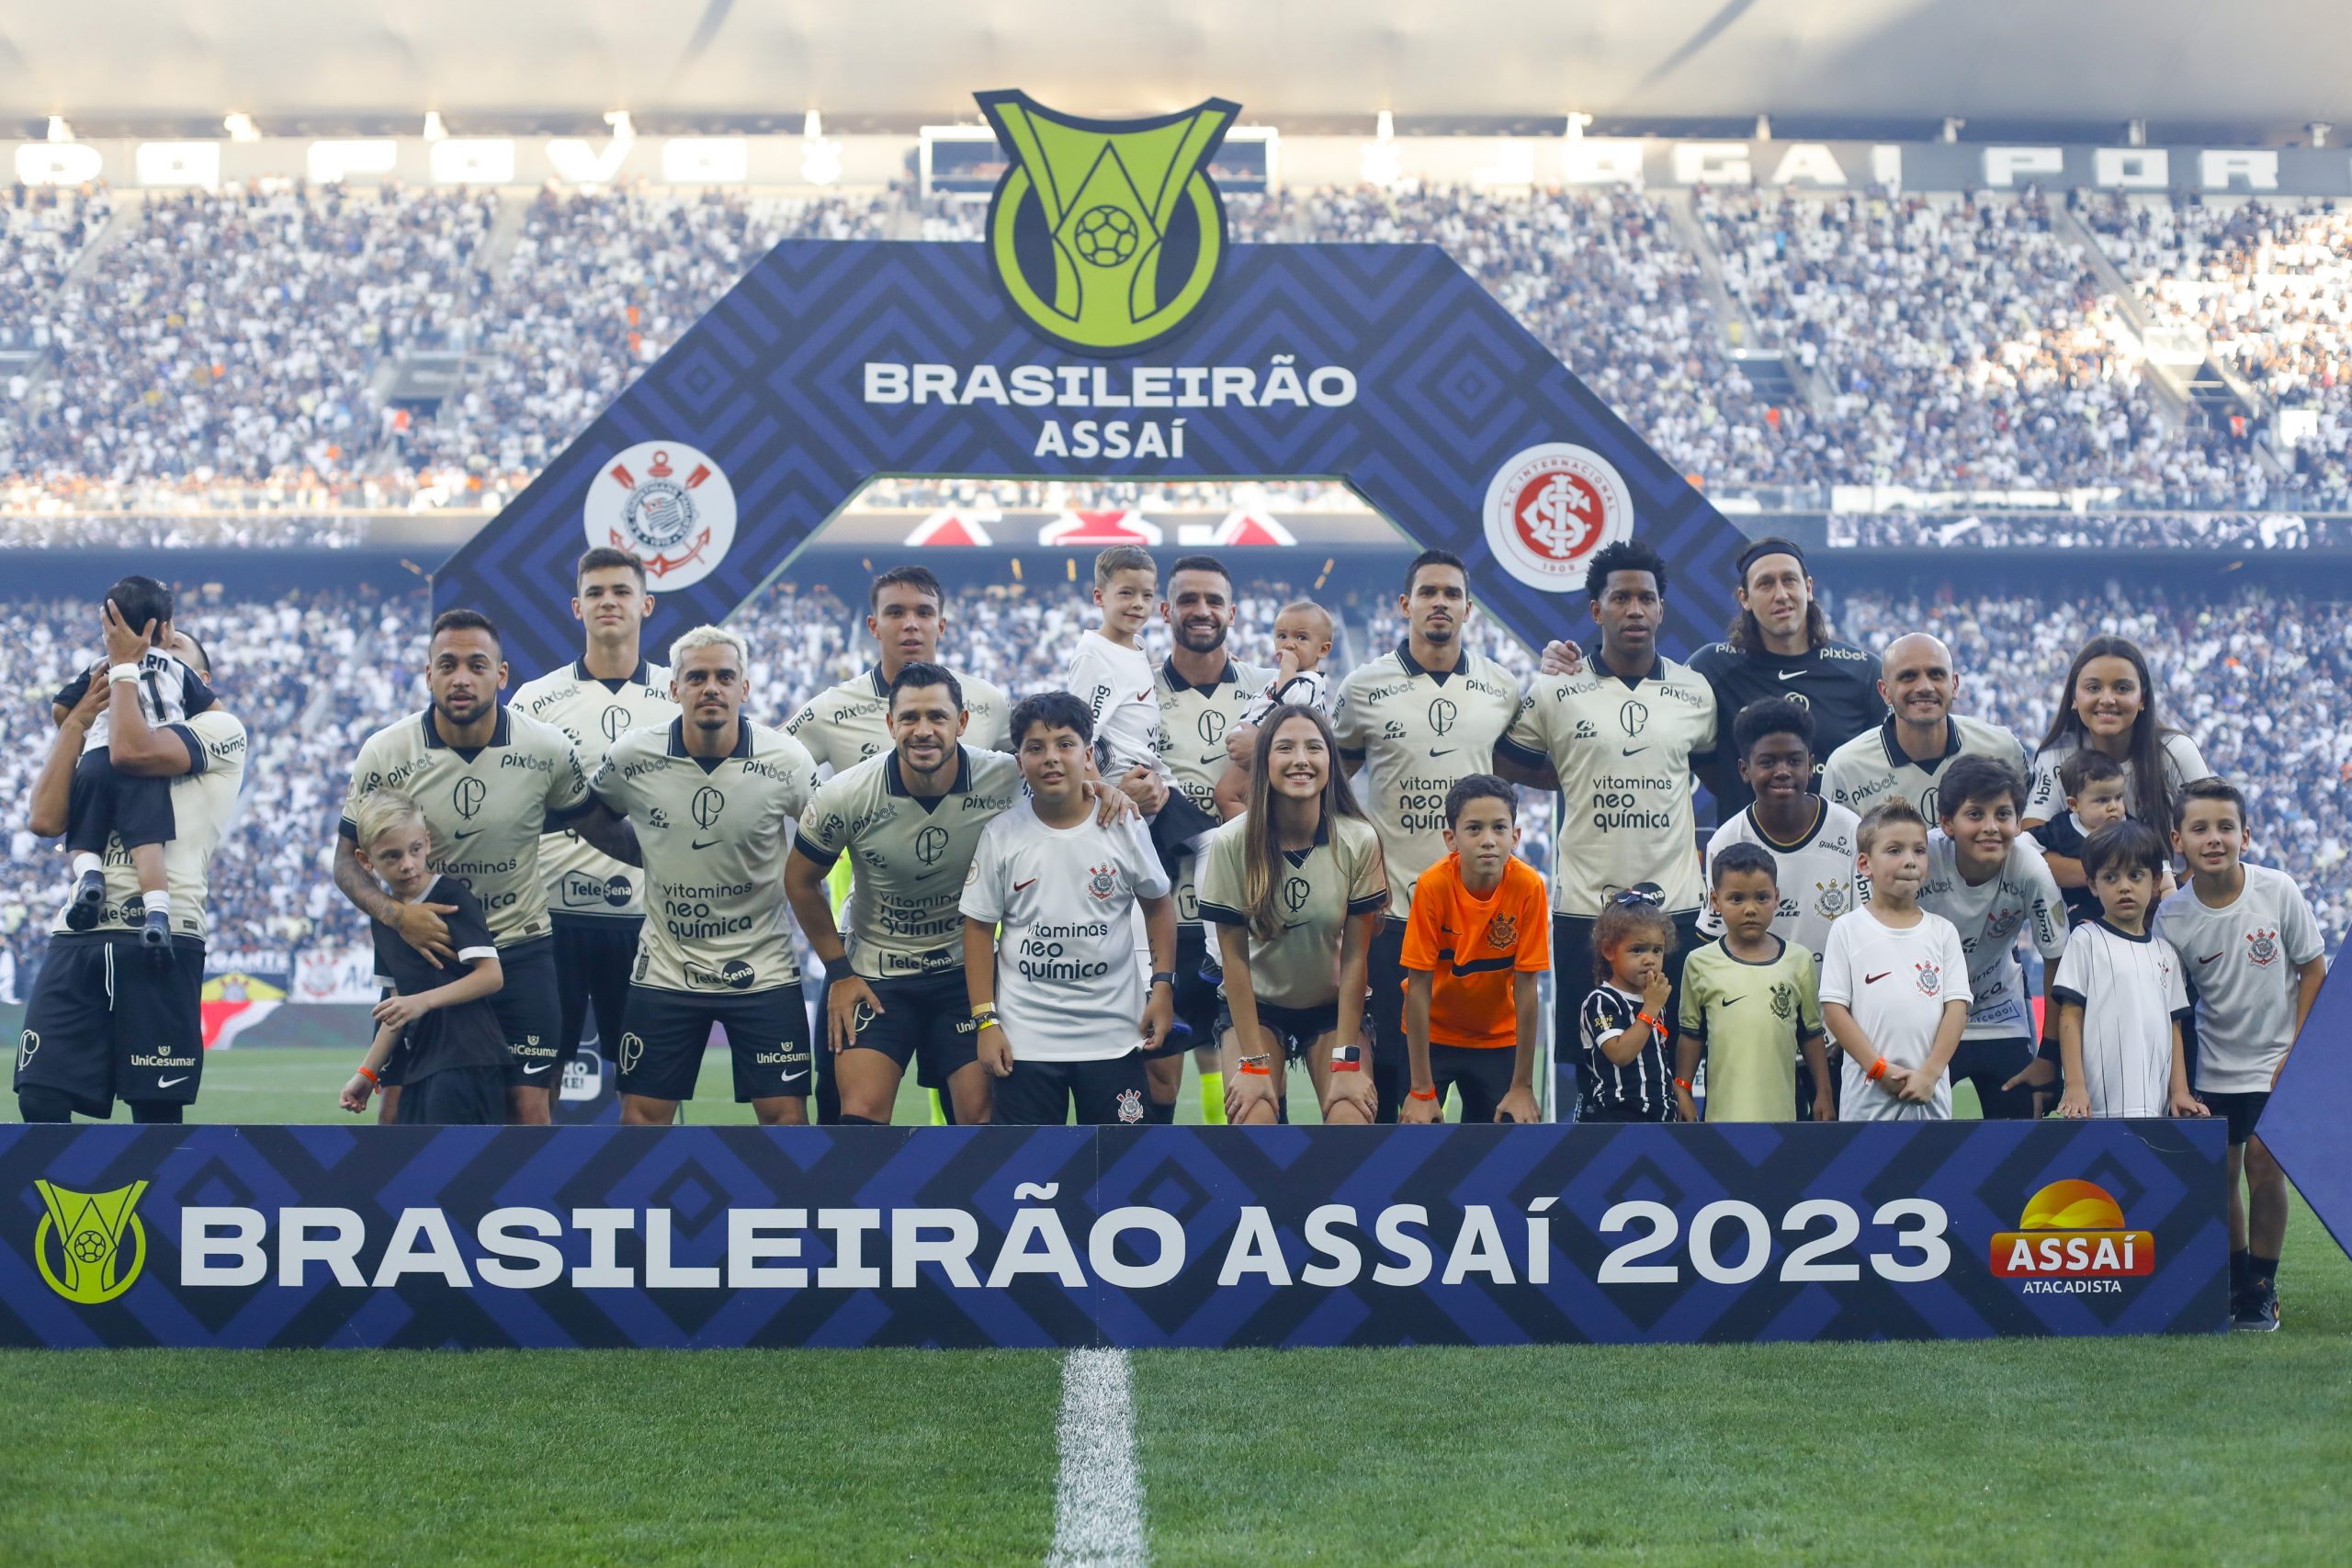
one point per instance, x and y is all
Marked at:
(1475, 947)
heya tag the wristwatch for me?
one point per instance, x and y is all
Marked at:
(1163, 978)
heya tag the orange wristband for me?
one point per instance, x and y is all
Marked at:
(1878, 1071)
(1645, 1018)
(1257, 1068)
(1684, 1084)
(1421, 1094)
(370, 1077)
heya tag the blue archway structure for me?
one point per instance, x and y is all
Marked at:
(772, 385)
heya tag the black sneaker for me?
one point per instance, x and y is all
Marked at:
(2257, 1310)
(88, 903)
(156, 934)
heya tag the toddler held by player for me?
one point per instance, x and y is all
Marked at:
(1302, 642)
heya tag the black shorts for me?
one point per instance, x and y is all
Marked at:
(2241, 1109)
(1095, 1094)
(454, 1097)
(926, 1019)
(103, 800)
(592, 955)
(1384, 1018)
(1197, 978)
(666, 1031)
(106, 1023)
(1481, 1072)
(1989, 1064)
(1295, 1028)
(531, 1012)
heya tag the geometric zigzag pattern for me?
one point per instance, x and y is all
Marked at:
(2165, 1175)
(769, 383)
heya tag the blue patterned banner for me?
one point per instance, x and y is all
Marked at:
(702, 1236)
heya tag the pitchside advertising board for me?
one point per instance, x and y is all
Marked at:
(703, 1236)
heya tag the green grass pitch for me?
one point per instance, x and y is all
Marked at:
(2215, 1450)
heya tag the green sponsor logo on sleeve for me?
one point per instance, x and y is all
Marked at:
(1133, 228)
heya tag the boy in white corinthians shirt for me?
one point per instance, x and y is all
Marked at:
(1109, 674)
(2247, 935)
(1895, 982)
(1062, 1016)
(2118, 990)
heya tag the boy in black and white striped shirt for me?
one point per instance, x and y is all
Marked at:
(2119, 992)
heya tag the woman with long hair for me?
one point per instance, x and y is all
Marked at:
(2109, 703)
(1295, 887)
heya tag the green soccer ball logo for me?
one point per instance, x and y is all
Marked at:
(1105, 236)
(90, 1247)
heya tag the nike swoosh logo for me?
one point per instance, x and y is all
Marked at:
(1024, 887)
(1449, 931)
(1449, 752)
(1633, 751)
(461, 838)
(2211, 957)
(1731, 1002)
(704, 843)
(790, 1078)
(927, 876)
(1207, 756)
(167, 1083)
(543, 1067)
(1874, 979)
(1790, 674)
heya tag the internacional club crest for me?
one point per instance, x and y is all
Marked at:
(667, 504)
(1105, 234)
(1549, 508)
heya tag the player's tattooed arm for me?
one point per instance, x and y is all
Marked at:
(52, 801)
(420, 925)
(606, 830)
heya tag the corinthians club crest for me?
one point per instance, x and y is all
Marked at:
(1107, 235)
(667, 504)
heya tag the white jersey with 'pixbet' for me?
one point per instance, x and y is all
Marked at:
(2244, 957)
(847, 723)
(1895, 982)
(1815, 875)
(593, 714)
(1067, 984)
(714, 833)
(2018, 901)
(1872, 768)
(2131, 993)
(1194, 721)
(1417, 732)
(1622, 750)
(487, 807)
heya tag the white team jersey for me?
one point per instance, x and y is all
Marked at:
(593, 714)
(1623, 751)
(2047, 798)
(1816, 875)
(2243, 956)
(1895, 983)
(1193, 725)
(204, 802)
(1417, 732)
(1068, 987)
(167, 689)
(2020, 901)
(714, 833)
(2131, 992)
(1308, 689)
(849, 723)
(1117, 685)
(1872, 767)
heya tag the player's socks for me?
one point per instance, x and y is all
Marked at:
(1213, 1099)
(943, 1114)
(43, 1105)
(2241, 1274)
(849, 1121)
(85, 863)
(89, 902)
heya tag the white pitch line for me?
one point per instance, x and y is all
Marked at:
(1098, 1501)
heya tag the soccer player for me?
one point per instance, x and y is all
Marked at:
(130, 808)
(99, 1026)
(1810, 839)
(910, 819)
(711, 799)
(1895, 982)
(2109, 703)
(1411, 724)
(2093, 784)
(1204, 695)
(1477, 946)
(1751, 1001)
(491, 781)
(1902, 757)
(596, 904)
(1993, 888)
(1618, 741)
(1053, 991)
(1294, 887)
(2119, 992)
(1780, 646)
(453, 1072)
(2247, 935)
(1622, 1026)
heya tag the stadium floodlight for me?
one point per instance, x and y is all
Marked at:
(2135, 133)
(1578, 120)
(240, 126)
(1763, 128)
(58, 129)
(1382, 167)
(820, 155)
(2321, 130)
(433, 130)
(624, 129)
(1952, 123)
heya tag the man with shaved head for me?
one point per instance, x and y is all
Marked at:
(1903, 757)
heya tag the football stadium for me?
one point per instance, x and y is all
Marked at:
(1024, 783)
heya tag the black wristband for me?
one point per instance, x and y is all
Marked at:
(1163, 978)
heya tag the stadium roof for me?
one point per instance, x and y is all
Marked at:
(316, 65)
